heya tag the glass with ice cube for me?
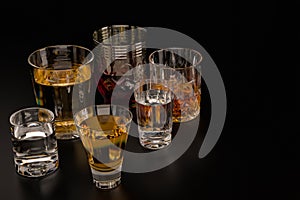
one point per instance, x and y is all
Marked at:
(185, 81)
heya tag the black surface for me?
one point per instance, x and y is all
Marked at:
(256, 155)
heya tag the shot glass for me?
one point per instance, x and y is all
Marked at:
(153, 108)
(54, 71)
(118, 49)
(34, 142)
(185, 82)
(103, 132)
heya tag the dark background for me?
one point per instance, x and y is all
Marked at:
(253, 44)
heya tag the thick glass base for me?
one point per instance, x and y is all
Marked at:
(155, 139)
(107, 180)
(36, 167)
(66, 130)
(66, 136)
(109, 184)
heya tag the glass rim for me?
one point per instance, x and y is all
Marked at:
(14, 114)
(97, 106)
(132, 27)
(90, 52)
(169, 49)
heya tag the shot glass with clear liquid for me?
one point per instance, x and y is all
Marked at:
(34, 142)
(154, 108)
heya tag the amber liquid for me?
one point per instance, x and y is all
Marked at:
(104, 146)
(116, 90)
(53, 88)
(186, 105)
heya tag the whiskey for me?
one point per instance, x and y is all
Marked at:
(104, 139)
(186, 105)
(53, 89)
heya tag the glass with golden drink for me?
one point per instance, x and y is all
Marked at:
(55, 70)
(103, 132)
(185, 82)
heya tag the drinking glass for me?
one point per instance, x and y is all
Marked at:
(153, 107)
(54, 71)
(118, 49)
(103, 132)
(185, 81)
(34, 142)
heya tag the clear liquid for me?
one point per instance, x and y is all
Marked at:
(154, 115)
(35, 151)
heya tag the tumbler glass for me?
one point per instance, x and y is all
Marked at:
(185, 81)
(55, 70)
(118, 49)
